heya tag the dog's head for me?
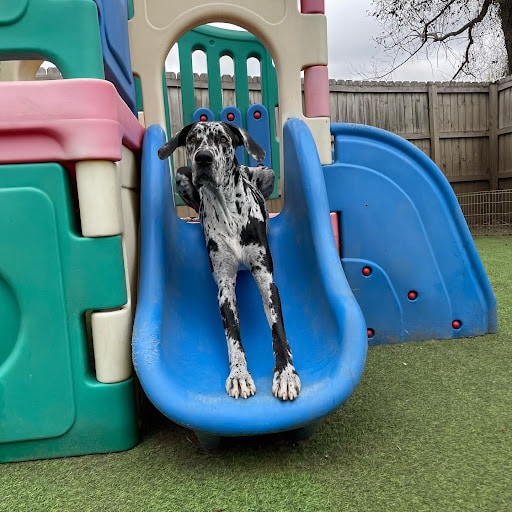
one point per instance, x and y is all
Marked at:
(211, 149)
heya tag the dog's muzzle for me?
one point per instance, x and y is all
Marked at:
(203, 161)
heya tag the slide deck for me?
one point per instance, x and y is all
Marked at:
(179, 349)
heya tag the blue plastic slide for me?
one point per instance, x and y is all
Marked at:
(406, 249)
(179, 349)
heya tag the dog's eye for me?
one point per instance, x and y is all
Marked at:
(223, 139)
(192, 139)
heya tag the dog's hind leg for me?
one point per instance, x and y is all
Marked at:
(263, 178)
(185, 188)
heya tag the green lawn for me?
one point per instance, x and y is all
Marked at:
(428, 429)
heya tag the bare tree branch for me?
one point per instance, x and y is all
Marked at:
(465, 61)
(462, 29)
(439, 15)
(469, 25)
(397, 66)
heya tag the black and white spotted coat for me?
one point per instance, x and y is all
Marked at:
(230, 199)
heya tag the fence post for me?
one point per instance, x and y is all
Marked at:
(493, 138)
(433, 116)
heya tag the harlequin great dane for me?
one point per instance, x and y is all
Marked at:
(230, 199)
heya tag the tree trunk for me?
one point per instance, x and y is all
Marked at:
(506, 25)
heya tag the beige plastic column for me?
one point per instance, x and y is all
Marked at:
(111, 330)
(99, 196)
(295, 41)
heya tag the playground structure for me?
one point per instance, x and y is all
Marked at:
(70, 169)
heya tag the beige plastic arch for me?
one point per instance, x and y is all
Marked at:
(296, 41)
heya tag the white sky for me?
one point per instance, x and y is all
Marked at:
(353, 53)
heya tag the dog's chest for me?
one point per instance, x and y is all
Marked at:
(229, 213)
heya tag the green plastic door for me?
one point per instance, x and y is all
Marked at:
(36, 388)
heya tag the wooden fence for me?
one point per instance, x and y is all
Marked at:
(466, 128)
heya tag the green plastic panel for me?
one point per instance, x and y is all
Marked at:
(65, 32)
(51, 404)
(36, 338)
(216, 43)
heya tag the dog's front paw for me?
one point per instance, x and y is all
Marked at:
(286, 384)
(240, 384)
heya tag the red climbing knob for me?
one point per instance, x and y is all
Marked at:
(257, 114)
(366, 271)
(456, 324)
(370, 332)
(231, 116)
(412, 295)
(203, 118)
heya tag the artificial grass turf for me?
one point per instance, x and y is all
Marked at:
(428, 429)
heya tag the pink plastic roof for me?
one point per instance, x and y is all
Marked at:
(65, 121)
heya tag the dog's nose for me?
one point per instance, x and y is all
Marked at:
(204, 158)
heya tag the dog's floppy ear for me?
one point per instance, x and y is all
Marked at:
(177, 141)
(242, 138)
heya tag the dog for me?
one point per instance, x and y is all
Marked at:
(230, 199)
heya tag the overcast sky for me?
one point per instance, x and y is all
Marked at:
(353, 53)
